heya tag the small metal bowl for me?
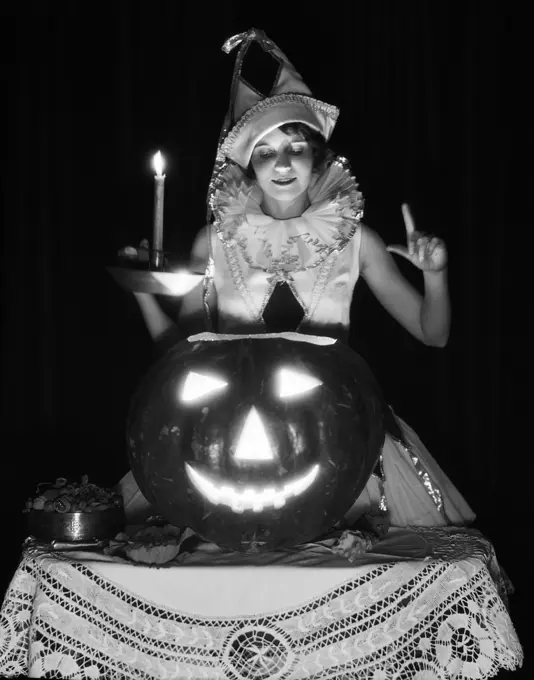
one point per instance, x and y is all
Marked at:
(75, 526)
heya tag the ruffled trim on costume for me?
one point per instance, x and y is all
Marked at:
(288, 245)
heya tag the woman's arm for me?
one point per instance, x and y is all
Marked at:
(157, 322)
(426, 317)
(191, 315)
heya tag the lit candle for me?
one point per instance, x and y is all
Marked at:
(159, 193)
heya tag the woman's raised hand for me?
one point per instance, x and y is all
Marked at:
(425, 251)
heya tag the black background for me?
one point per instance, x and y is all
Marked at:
(433, 100)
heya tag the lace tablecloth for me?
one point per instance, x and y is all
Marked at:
(88, 616)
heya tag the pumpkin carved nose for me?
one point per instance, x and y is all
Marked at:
(253, 443)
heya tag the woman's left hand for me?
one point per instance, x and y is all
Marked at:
(425, 251)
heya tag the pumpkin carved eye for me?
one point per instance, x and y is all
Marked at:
(291, 383)
(198, 385)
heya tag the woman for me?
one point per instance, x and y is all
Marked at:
(285, 251)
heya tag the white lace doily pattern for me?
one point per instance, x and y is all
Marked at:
(430, 620)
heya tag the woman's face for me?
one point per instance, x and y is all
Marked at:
(283, 165)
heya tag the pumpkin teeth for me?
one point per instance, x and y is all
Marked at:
(250, 498)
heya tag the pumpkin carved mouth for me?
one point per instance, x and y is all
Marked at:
(252, 498)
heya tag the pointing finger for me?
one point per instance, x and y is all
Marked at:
(408, 219)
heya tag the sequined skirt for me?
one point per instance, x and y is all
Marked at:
(412, 488)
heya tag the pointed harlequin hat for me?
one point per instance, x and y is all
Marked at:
(253, 113)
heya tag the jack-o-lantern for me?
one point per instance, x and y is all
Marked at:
(256, 442)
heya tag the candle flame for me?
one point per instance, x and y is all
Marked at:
(157, 163)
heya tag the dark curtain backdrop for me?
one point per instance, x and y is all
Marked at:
(432, 113)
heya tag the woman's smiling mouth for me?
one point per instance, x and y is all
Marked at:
(284, 182)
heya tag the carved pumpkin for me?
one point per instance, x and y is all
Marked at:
(256, 442)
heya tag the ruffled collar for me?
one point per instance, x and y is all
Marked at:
(296, 244)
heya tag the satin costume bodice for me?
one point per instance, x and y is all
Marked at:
(315, 254)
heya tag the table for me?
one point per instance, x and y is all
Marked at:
(307, 614)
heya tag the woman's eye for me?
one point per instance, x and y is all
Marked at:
(265, 154)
